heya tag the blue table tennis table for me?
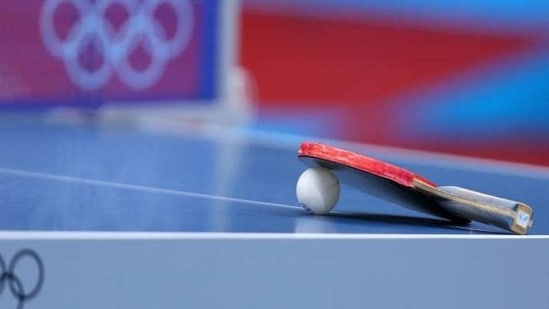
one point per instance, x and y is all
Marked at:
(106, 216)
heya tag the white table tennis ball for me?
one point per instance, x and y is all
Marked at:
(317, 190)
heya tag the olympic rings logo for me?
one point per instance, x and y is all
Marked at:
(8, 277)
(140, 29)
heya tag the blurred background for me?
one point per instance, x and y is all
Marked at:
(460, 77)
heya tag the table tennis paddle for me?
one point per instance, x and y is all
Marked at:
(390, 182)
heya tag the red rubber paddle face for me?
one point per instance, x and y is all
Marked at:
(362, 163)
(374, 177)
